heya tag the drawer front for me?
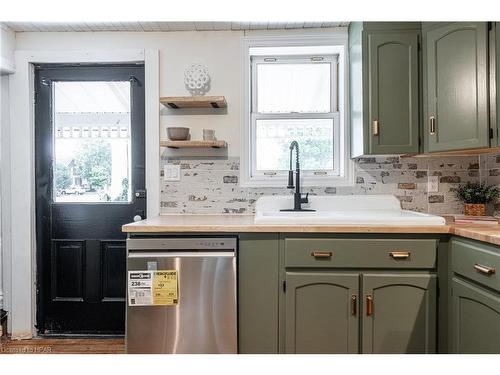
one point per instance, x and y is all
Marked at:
(360, 253)
(476, 261)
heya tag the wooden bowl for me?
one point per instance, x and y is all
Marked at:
(178, 134)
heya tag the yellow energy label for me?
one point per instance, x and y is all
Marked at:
(165, 287)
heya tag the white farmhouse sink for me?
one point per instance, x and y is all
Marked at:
(341, 210)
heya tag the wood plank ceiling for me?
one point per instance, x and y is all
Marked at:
(163, 26)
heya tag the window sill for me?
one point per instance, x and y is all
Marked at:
(281, 182)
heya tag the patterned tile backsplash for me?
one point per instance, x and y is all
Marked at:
(211, 186)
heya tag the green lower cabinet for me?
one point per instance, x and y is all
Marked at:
(399, 313)
(475, 319)
(258, 291)
(320, 313)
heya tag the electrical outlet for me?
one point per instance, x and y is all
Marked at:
(433, 184)
(171, 172)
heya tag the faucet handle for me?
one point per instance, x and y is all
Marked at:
(290, 180)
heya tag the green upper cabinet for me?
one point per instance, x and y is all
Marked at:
(384, 88)
(399, 314)
(393, 92)
(321, 313)
(476, 319)
(455, 86)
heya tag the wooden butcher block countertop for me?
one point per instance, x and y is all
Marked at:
(245, 223)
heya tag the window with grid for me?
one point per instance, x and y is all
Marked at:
(294, 95)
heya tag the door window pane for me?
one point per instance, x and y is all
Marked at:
(297, 87)
(92, 142)
(315, 137)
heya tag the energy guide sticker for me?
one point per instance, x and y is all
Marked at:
(150, 288)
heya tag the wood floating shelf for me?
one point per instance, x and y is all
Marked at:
(193, 144)
(177, 102)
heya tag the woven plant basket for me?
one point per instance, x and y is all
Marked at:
(472, 209)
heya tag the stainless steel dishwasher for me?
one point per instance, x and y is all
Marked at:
(181, 295)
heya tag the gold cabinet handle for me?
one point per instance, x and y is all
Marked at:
(484, 269)
(369, 305)
(321, 254)
(399, 255)
(354, 305)
(375, 127)
(432, 125)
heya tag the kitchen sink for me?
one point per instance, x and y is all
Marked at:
(341, 210)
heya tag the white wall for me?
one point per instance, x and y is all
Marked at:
(7, 45)
(4, 115)
(219, 51)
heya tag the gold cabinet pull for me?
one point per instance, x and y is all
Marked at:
(484, 269)
(375, 127)
(399, 255)
(354, 305)
(432, 125)
(369, 305)
(322, 254)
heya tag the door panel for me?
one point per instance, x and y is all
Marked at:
(90, 163)
(319, 315)
(67, 270)
(476, 319)
(457, 86)
(114, 269)
(403, 314)
(393, 92)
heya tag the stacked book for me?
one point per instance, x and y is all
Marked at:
(463, 219)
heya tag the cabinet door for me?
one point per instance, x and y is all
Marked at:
(321, 313)
(258, 286)
(399, 313)
(456, 86)
(475, 319)
(393, 92)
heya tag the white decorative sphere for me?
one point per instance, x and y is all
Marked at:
(197, 79)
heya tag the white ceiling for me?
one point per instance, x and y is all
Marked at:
(164, 26)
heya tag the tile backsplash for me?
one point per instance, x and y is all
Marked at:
(211, 186)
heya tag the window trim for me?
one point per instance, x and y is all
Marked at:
(338, 41)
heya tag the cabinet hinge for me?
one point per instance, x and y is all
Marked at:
(491, 133)
(490, 25)
(284, 286)
(35, 97)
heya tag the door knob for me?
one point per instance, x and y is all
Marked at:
(137, 218)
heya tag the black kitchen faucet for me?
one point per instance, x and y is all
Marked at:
(297, 196)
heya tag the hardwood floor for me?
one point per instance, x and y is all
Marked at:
(63, 346)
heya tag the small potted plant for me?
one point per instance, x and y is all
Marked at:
(476, 195)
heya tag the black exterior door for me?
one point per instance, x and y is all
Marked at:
(90, 180)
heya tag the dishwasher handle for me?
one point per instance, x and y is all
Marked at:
(181, 254)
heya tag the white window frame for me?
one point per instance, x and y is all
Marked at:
(332, 114)
(342, 175)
